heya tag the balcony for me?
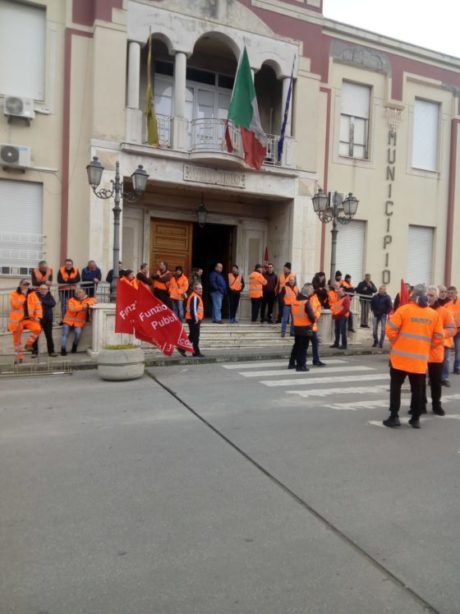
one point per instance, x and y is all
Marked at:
(205, 140)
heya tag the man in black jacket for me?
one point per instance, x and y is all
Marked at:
(381, 306)
(365, 289)
(303, 318)
(48, 304)
(269, 294)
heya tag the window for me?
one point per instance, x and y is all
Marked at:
(420, 255)
(22, 49)
(350, 250)
(425, 135)
(21, 238)
(354, 121)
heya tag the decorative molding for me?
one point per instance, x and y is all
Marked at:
(362, 57)
(202, 174)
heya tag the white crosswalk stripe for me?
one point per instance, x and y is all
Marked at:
(255, 364)
(294, 372)
(326, 392)
(338, 379)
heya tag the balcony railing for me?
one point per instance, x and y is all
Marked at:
(207, 135)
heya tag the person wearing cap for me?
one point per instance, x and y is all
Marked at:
(25, 314)
(413, 331)
(256, 284)
(282, 281)
(46, 322)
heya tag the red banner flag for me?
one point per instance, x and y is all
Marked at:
(403, 293)
(157, 324)
(125, 310)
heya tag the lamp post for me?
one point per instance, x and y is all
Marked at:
(333, 207)
(139, 179)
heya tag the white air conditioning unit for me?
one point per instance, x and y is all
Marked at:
(14, 106)
(15, 155)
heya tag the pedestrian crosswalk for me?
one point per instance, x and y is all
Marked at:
(346, 384)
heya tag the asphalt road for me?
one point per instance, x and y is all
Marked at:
(229, 488)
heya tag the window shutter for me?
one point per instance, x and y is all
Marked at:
(350, 250)
(420, 255)
(425, 135)
(355, 100)
(22, 68)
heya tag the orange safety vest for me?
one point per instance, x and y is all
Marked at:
(299, 317)
(283, 279)
(131, 282)
(161, 285)
(332, 297)
(43, 277)
(256, 282)
(316, 306)
(454, 308)
(17, 313)
(235, 282)
(413, 331)
(68, 277)
(200, 308)
(337, 307)
(178, 288)
(76, 314)
(290, 295)
(448, 325)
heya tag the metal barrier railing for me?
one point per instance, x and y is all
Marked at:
(100, 291)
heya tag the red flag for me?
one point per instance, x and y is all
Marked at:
(403, 293)
(158, 325)
(125, 310)
(266, 259)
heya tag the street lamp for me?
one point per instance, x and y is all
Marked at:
(333, 207)
(139, 179)
(202, 213)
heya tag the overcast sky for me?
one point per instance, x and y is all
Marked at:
(413, 21)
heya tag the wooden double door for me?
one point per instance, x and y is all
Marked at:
(172, 242)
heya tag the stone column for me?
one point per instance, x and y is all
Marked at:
(133, 112)
(179, 140)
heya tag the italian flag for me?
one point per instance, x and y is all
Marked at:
(243, 113)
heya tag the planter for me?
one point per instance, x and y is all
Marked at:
(119, 365)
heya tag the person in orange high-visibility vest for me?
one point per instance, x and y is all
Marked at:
(454, 306)
(340, 313)
(413, 330)
(303, 319)
(77, 315)
(283, 278)
(289, 294)
(235, 288)
(43, 274)
(68, 278)
(128, 277)
(256, 283)
(161, 282)
(332, 295)
(178, 286)
(25, 314)
(445, 301)
(194, 314)
(436, 358)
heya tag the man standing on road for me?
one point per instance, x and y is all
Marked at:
(46, 321)
(282, 281)
(380, 306)
(436, 359)
(444, 300)
(413, 331)
(303, 318)
(454, 306)
(268, 294)
(365, 289)
(235, 288)
(218, 289)
(316, 306)
(194, 313)
(340, 314)
(256, 283)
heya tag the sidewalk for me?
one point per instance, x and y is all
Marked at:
(154, 358)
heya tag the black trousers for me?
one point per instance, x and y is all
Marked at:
(47, 327)
(268, 300)
(417, 386)
(233, 304)
(299, 351)
(435, 376)
(255, 307)
(194, 335)
(163, 295)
